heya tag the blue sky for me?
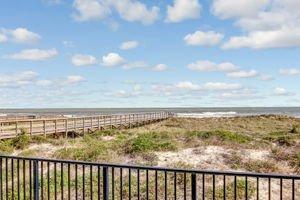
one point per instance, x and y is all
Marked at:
(129, 53)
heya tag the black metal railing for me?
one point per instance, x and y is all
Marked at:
(34, 178)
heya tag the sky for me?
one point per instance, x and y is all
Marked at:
(134, 53)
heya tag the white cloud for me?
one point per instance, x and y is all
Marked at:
(187, 85)
(267, 24)
(221, 86)
(242, 8)
(74, 79)
(243, 74)
(112, 59)
(285, 37)
(182, 10)
(135, 11)
(82, 60)
(44, 83)
(129, 45)
(208, 66)
(18, 79)
(280, 91)
(34, 54)
(135, 64)
(3, 38)
(129, 10)
(289, 71)
(240, 94)
(201, 38)
(266, 77)
(19, 35)
(22, 35)
(87, 10)
(160, 67)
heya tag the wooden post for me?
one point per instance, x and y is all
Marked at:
(91, 123)
(110, 122)
(66, 127)
(16, 127)
(30, 128)
(98, 118)
(55, 125)
(44, 127)
(83, 122)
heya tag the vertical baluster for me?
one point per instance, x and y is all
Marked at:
(83, 182)
(156, 185)
(62, 180)
(121, 184)
(194, 186)
(166, 185)
(69, 181)
(76, 181)
(129, 183)
(91, 181)
(105, 184)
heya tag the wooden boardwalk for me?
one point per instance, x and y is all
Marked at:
(13, 128)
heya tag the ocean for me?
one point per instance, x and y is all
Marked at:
(181, 112)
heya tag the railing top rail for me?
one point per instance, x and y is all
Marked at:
(64, 118)
(208, 172)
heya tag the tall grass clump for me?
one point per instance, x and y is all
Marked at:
(149, 142)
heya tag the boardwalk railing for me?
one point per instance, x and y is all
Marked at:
(12, 128)
(33, 178)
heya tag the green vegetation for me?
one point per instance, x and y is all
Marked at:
(229, 190)
(149, 142)
(145, 145)
(223, 135)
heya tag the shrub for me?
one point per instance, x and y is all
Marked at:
(281, 138)
(6, 147)
(21, 141)
(220, 134)
(148, 142)
(296, 129)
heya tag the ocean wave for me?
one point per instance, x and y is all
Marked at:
(207, 114)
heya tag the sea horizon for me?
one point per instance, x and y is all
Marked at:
(180, 111)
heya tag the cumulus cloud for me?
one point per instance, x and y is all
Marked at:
(280, 91)
(266, 23)
(3, 38)
(182, 10)
(209, 66)
(83, 60)
(209, 86)
(134, 65)
(289, 71)
(18, 79)
(221, 86)
(187, 85)
(243, 74)
(129, 10)
(201, 38)
(129, 45)
(87, 10)
(44, 83)
(243, 8)
(284, 37)
(112, 59)
(34, 54)
(160, 67)
(74, 79)
(19, 35)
